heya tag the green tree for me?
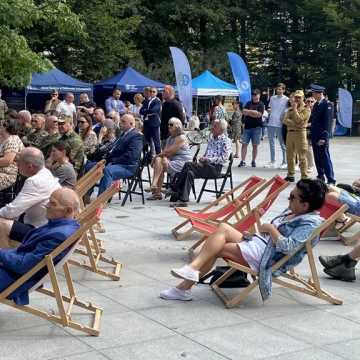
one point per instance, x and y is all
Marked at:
(17, 19)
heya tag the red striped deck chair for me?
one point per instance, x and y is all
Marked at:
(291, 280)
(249, 222)
(231, 203)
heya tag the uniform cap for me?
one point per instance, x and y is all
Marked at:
(299, 93)
(317, 88)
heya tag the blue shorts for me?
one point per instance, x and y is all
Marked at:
(352, 201)
(251, 134)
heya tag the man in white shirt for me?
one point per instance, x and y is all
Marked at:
(32, 199)
(67, 107)
(277, 107)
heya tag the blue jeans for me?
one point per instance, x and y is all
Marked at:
(114, 172)
(276, 132)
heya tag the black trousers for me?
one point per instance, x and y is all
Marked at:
(152, 137)
(185, 179)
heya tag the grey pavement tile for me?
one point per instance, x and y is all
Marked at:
(348, 349)
(250, 340)
(175, 347)
(348, 311)
(184, 317)
(310, 354)
(317, 327)
(92, 355)
(125, 328)
(42, 342)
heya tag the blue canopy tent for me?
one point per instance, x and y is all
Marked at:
(43, 83)
(128, 80)
(207, 84)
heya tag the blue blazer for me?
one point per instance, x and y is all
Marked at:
(36, 244)
(321, 118)
(151, 114)
(127, 149)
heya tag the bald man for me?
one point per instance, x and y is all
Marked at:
(31, 200)
(61, 211)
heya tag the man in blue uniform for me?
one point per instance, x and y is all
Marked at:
(320, 133)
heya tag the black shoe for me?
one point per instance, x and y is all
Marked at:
(329, 262)
(322, 178)
(289, 179)
(341, 272)
(253, 164)
(242, 164)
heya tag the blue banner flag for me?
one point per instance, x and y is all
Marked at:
(183, 78)
(345, 108)
(241, 76)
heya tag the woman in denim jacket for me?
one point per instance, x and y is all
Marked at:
(286, 232)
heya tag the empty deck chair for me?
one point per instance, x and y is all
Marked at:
(330, 211)
(90, 250)
(231, 203)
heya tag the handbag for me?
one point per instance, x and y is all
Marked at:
(236, 280)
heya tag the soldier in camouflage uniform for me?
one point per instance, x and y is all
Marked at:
(51, 126)
(69, 136)
(37, 133)
(3, 109)
(24, 123)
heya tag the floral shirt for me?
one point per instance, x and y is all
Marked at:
(218, 149)
(11, 144)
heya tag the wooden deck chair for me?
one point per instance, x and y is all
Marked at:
(64, 314)
(252, 219)
(91, 250)
(291, 280)
(212, 212)
(86, 182)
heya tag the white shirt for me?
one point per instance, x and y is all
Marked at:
(66, 109)
(32, 199)
(278, 106)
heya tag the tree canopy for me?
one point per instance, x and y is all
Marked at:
(296, 42)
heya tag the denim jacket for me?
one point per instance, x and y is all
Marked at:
(294, 232)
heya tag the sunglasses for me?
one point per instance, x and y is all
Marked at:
(254, 94)
(152, 91)
(82, 122)
(310, 101)
(170, 125)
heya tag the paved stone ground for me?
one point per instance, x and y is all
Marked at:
(138, 325)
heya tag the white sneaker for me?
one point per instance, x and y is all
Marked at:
(176, 294)
(297, 167)
(186, 273)
(270, 165)
(310, 170)
(283, 166)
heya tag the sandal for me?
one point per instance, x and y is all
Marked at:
(340, 223)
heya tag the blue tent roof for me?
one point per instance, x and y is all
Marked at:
(56, 79)
(207, 84)
(129, 80)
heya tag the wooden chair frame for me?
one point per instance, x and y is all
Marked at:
(241, 200)
(251, 220)
(92, 249)
(291, 279)
(64, 315)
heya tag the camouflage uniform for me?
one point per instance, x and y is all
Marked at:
(3, 110)
(77, 149)
(35, 138)
(47, 142)
(23, 132)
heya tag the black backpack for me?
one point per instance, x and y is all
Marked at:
(237, 280)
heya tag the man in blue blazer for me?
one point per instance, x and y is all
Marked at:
(123, 158)
(14, 262)
(150, 112)
(321, 120)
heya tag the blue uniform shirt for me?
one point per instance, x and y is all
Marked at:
(320, 119)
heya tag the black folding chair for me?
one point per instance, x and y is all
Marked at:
(9, 194)
(224, 176)
(136, 181)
